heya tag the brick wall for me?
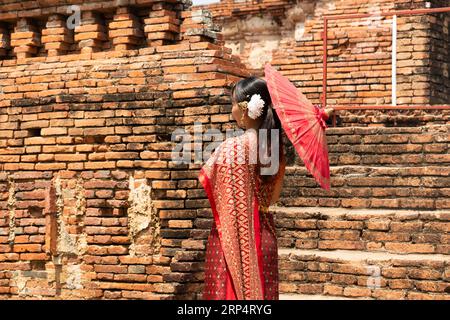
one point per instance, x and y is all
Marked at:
(377, 168)
(289, 35)
(381, 232)
(91, 204)
(440, 62)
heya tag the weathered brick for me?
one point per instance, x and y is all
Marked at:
(101, 116)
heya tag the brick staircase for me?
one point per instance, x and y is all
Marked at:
(382, 231)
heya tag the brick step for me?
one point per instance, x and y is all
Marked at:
(360, 274)
(424, 145)
(356, 186)
(387, 230)
(316, 297)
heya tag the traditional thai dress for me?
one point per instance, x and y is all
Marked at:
(241, 261)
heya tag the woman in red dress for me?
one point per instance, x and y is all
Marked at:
(241, 260)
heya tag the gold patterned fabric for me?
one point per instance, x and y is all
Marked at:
(240, 238)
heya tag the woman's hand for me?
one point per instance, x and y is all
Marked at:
(329, 111)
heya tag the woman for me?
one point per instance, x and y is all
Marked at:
(241, 255)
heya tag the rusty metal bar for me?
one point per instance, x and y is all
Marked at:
(368, 15)
(387, 14)
(325, 63)
(373, 107)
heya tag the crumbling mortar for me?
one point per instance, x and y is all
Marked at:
(11, 211)
(68, 243)
(142, 215)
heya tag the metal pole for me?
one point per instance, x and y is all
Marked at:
(394, 60)
(325, 57)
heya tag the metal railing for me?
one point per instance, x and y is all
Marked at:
(394, 14)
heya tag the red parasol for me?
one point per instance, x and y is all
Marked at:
(303, 122)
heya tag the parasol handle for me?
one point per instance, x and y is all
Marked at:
(322, 116)
(324, 113)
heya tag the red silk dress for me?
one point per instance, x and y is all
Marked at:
(241, 261)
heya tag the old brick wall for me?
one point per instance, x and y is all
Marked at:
(440, 61)
(397, 168)
(289, 35)
(381, 232)
(91, 204)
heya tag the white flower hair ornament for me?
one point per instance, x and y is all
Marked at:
(255, 106)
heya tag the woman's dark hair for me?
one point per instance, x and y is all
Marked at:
(242, 91)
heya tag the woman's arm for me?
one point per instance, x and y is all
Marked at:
(279, 181)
